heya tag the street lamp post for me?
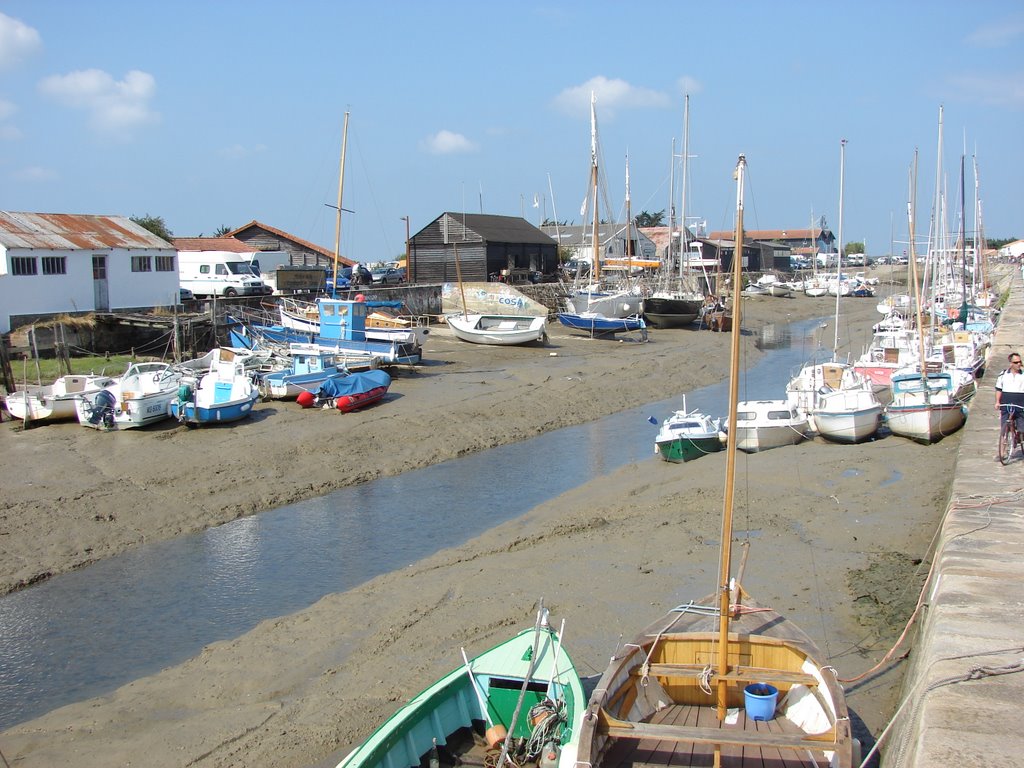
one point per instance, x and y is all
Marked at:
(408, 266)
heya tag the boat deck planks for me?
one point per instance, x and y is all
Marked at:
(659, 752)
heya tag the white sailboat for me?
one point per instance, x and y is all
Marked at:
(841, 404)
(924, 407)
(593, 299)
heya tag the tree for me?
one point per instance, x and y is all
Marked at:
(645, 219)
(222, 231)
(854, 248)
(154, 224)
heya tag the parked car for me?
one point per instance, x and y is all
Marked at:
(184, 294)
(387, 276)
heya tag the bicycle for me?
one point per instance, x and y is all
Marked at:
(1010, 437)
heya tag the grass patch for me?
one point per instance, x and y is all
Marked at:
(50, 368)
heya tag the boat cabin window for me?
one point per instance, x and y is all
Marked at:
(745, 416)
(780, 415)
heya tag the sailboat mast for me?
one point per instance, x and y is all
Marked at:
(913, 272)
(684, 251)
(839, 259)
(963, 239)
(593, 186)
(341, 186)
(725, 557)
(629, 226)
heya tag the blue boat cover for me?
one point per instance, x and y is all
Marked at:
(353, 383)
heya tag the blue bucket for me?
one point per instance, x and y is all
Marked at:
(760, 700)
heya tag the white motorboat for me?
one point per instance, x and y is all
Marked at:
(54, 402)
(139, 397)
(225, 393)
(765, 424)
(688, 435)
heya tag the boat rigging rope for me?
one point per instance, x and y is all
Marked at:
(986, 505)
(974, 673)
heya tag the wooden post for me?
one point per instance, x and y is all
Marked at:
(5, 369)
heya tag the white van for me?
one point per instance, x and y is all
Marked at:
(218, 273)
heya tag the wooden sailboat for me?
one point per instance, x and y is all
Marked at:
(721, 680)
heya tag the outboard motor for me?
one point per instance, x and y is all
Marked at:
(103, 409)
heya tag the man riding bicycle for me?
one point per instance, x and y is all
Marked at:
(1010, 392)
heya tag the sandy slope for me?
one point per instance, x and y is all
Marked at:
(835, 531)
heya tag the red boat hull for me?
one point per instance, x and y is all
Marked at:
(348, 403)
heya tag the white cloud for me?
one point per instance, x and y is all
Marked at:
(611, 94)
(35, 174)
(1002, 90)
(689, 85)
(18, 41)
(115, 108)
(998, 34)
(239, 152)
(448, 143)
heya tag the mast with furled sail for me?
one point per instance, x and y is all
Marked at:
(341, 187)
(725, 558)
(594, 187)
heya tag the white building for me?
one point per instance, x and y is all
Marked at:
(1014, 250)
(53, 262)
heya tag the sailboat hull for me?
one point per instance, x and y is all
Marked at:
(925, 423)
(847, 416)
(671, 313)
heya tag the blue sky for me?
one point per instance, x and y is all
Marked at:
(213, 114)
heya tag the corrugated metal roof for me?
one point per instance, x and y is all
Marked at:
(74, 231)
(229, 244)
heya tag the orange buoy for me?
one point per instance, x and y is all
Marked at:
(305, 399)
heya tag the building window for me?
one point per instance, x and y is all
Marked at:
(165, 264)
(142, 264)
(99, 267)
(23, 265)
(55, 265)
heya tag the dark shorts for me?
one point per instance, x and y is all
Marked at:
(1018, 412)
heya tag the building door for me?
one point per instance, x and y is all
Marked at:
(101, 296)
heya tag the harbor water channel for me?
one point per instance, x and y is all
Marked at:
(85, 633)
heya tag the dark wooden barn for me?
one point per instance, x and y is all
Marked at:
(488, 248)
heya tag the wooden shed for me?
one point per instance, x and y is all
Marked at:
(302, 253)
(488, 247)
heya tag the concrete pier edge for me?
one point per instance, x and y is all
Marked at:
(963, 692)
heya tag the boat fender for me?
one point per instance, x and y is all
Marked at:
(305, 399)
(495, 735)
